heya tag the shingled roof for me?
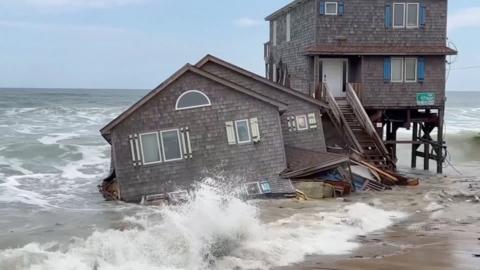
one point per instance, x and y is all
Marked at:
(251, 75)
(378, 50)
(304, 162)
(284, 9)
(189, 68)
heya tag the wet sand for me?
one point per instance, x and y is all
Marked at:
(442, 231)
(399, 249)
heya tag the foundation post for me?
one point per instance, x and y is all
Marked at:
(440, 141)
(414, 146)
(426, 154)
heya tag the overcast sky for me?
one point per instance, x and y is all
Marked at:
(138, 43)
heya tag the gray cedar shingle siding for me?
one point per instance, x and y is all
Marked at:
(381, 94)
(311, 139)
(291, 53)
(363, 24)
(211, 152)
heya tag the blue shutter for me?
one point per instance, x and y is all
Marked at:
(423, 15)
(421, 69)
(388, 16)
(387, 69)
(322, 8)
(341, 8)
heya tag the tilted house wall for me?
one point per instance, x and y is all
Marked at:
(211, 152)
(312, 138)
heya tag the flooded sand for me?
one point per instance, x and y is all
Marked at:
(442, 232)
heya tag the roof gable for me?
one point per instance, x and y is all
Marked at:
(251, 75)
(188, 68)
(285, 9)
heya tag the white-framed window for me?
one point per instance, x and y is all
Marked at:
(289, 27)
(411, 70)
(253, 188)
(404, 69)
(150, 145)
(171, 147)
(192, 99)
(242, 130)
(398, 15)
(397, 69)
(302, 122)
(412, 15)
(331, 8)
(274, 33)
(406, 15)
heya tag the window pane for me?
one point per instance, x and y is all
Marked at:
(398, 15)
(331, 8)
(412, 15)
(410, 70)
(192, 99)
(397, 70)
(302, 123)
(171, 145)
(243, 133)
(150, 147)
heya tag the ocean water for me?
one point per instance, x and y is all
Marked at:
(52, 157)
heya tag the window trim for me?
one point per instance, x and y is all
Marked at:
(418, 16)
(288, 21)
(248, 129)
(336, 8)
(274, 33)
(402, 69)
(306, 122)
(404, 15)
(158, 145)
(192, 107)
(405, 69)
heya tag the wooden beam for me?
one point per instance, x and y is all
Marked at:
(440, 142)
(414, 149)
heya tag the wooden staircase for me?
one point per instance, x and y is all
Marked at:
(353, 122)
(371, 152)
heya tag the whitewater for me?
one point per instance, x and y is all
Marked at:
(52, 157)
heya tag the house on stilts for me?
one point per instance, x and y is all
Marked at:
(379, 64)
(341, 78)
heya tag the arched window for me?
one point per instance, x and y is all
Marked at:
(192, 99)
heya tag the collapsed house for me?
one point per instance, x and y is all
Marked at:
(327, 111)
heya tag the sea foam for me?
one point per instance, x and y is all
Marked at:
(213, 230)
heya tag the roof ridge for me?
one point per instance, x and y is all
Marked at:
(188, 67)
(259, 78)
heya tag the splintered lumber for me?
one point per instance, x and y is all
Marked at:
(383, 173)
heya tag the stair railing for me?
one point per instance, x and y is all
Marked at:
(366, 122)
(340, 120)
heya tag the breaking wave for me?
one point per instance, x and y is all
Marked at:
(213, 230)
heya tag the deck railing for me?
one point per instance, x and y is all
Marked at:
(358, 89)
(366, 122)
(339, 119)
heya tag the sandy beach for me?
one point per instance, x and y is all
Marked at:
(442, 233)
(401, 249)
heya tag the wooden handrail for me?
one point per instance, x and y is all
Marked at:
(366, 122)
(340, 120)
(358, 88)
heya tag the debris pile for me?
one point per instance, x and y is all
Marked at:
(318, 175)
